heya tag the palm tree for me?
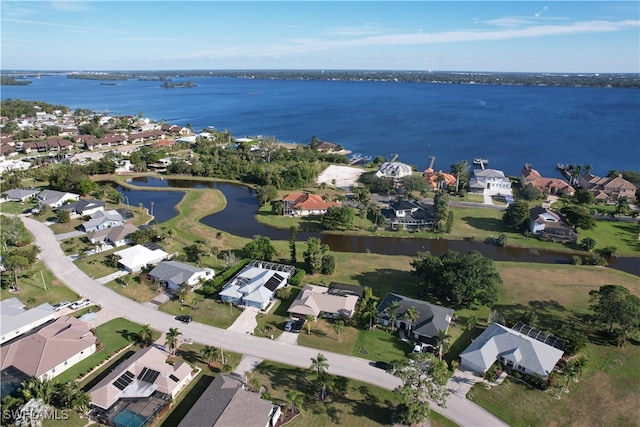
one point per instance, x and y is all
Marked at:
(369, 311)
(319, 364)
(470, 322)
(309, 318)
(210, 353)
(392, 310)
(172, 340)
(36, 389)
(145, 334)
(410, 316)
(295, 400)
(443, 341)
(338, 326)
(170, 234)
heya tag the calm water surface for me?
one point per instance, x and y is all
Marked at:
(238, 218)
(509, 125)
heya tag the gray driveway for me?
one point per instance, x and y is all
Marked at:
(461, 411)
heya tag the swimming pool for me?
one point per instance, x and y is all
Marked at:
(128, 418)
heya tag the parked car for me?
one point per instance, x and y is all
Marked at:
(297, 325)
(61, 305)
(288, 326)
(381, 365)
(184, 319)
(80, 303)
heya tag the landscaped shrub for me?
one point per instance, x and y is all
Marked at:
(595, 260)
(296, 279)
(576, 260)
(211, 286)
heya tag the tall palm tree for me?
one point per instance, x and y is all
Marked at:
(172, 340)
(210, 353)
(145, 334)
(338, 326)
(295, 400)
(369, 311)
(319, 364)
(392, 311)
(411, 315)
(443, 341)
(36, 389)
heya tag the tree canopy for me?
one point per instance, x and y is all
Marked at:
(260, 248)
(424, 379)
(338, 218)
(578, 217)
(517, 215)
(616, 307)
(463, 280)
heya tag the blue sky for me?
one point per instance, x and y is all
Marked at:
(552, 36)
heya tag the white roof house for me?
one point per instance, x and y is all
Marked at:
(256, 284)
(137, 257)
(15, 320)
(394, 170)
(173, 274)
(511, 348)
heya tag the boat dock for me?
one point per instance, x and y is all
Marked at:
(481, 162)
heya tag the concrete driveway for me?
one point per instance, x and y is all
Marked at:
(461, 411)
(245, 323)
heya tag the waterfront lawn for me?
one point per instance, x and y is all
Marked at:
(114, 335)
(606, 394)
(33, 290)
(623, 235)
(210, 311)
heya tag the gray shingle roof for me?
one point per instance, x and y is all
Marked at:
(431, 318)
(174, 271)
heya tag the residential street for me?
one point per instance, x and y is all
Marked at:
(459, 409)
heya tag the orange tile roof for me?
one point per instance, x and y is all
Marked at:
(308, 202)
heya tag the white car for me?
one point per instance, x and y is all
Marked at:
(80, 303)
(61, 305)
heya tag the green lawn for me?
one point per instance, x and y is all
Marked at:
(115, 334)
(94, 265)
(16, 208)
(33, 289)
(273, 322)
(623, 235)
(378, 344)
(72, 225)
(349, 402)
(210, 311)
(131, 288)
(606, 394)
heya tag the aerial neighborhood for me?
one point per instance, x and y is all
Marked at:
(157, 275)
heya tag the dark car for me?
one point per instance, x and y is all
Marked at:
(297, 325)
(184, 319)
(382, 365)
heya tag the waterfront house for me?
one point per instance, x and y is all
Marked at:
(226, 402)
(608, 189)
(439, 180)
(54, 199)
(407, 215)
(304, 204)
(137, 257)
(256, 284)
(172, 274)
(335, 301)
(489, 179)
(394, 170)
(46, 352)
(15, 320)
(545, 185)
(550, 225)
(522, 349)
(430, 321)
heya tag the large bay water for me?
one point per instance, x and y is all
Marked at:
(509, 125)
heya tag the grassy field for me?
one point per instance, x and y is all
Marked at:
(16, 208)
(210, 311)
(33, 289)
(94, 265)
(115, 335)
(606, 394)
(350, 402)
(130, 288)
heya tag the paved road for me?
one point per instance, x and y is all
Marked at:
(460, 410)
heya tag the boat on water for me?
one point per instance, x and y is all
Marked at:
(480, 161)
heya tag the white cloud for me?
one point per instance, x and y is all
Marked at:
(543, 10)
(69, 27)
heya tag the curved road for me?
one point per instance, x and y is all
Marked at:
(459, 409)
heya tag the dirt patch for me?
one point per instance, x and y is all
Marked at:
(340, 176)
